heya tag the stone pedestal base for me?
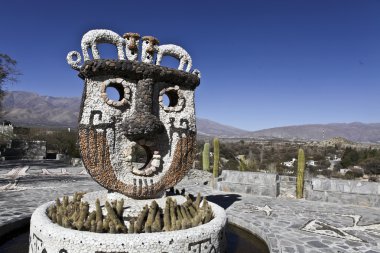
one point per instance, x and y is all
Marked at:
(47, 237)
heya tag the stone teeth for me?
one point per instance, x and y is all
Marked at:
(155, 163)
(149, 171)
(156, 157)
(138, 172)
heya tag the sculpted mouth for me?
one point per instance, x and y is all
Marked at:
(152, 158)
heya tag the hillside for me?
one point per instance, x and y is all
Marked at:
(30, 109)
(358, 132)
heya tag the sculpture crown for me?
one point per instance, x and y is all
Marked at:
(128, 49)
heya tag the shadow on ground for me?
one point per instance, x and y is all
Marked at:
(224, 200)
(9, 164)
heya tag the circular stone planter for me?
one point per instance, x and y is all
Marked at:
(47, 237)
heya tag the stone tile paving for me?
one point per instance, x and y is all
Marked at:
(18, 203)
(34, 188)
(287, 225)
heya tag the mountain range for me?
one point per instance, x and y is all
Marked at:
(30, 109)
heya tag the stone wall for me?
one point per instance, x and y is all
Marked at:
(256, 183)
(316, 189)
(287, 186)
(345, 192)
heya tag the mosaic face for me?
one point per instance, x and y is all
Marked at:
(151, 115)
(135, 142)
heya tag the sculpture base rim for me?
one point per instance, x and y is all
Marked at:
(46, 237)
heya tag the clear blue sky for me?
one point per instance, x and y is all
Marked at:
(264, 63)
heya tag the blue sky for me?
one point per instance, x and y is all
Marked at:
(264, 63)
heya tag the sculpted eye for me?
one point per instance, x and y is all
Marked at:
(171, 99)
(146, 42)
(115, 92)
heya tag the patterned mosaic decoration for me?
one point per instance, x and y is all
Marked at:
(322, 228)
(111, 130)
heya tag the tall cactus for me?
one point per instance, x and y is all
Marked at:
(206, 157)
(300, 173)
(215, 171)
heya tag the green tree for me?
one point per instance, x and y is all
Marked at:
(371, 165)
(350, 157)
(8, 73)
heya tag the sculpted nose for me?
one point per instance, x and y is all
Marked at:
(143, 124)
(150, 50)
(132, 46)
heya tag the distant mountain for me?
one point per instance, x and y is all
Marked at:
(211, 128)
(358, 132)
(30, 109)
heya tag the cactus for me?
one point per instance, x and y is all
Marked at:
(118, 224)
(83, 214)
(156, 226)
(120, 208)
(167, 223)
(106, 224)
(99, 215)
(93, 226)
(208, 215)
(198, 201)
(139, 224)
(215, 170)
(75, 214)
(151, 216)
(206, 157)
(99, 227)
(178, 212)
(173, 216)
(65, 201)
(90, 218)
(300, 173)
(131, 229)
(66, 223)
(112, 228)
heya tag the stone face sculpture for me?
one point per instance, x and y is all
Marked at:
(132, 45)
(110, 129)
(148, 48)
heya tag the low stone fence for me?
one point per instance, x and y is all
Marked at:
(345, 192)
(287, 186)
(317, 189)
(256, 183)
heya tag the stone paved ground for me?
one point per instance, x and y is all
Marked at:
(287, 225)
